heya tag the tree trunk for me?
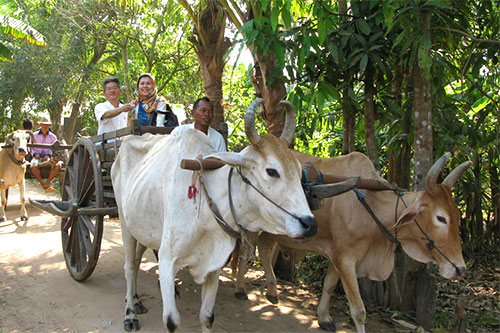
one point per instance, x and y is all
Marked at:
(494, 225)
(402, 179)
(55, 111)
(478, 230)
(419, 293)
(405, 159)
(211, 45)
(129, 87)
(371, 141)
(348, 113)
(389, 292)
(400, 155)
(348, 128)
(271, 93)
(69, 132)
(422, 127)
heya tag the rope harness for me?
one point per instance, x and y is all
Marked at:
(213, 207)
(247, 181)
(247, 246)
(431, 245)
(312, 200)
(14, 159)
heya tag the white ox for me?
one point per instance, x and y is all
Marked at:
(13, 168)
(151, 192)
(354, 244)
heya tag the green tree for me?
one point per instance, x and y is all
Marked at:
(11, 25)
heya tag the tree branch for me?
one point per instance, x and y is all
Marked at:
(479, 40)
(231, 13)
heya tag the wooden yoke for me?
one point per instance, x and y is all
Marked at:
(199, 164)
(367, 184)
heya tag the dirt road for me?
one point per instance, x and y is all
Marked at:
(37, 294)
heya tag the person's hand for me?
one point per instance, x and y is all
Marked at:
(46, 158)
(129, 107)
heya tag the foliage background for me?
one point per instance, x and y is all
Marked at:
(330, 55)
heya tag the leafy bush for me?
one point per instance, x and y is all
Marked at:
(312, 271)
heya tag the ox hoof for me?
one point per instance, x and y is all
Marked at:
(130, 325)
(24, 218)
(272, 299)
(171, 326)
(2, 219)
(139, 308)
(241, 295)
(327, 325)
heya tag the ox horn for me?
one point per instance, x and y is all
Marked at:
(288, 133)
(32, 136)
(452, 178)
(9, 139)
(433, 173)
(250, 129)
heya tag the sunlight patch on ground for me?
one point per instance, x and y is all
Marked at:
(36, 246)
(147, 266)
(222, 278)
(283, 310)
(54, 266)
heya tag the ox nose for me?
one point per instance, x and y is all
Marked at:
(21, 150)
(310, 225)
(461, 272)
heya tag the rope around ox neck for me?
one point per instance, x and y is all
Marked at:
(430, 243)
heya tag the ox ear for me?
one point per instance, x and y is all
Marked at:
(408, 215)
(232, 159)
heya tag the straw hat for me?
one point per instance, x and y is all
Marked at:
(44, 121)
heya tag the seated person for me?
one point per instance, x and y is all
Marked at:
(203, 113)
(150, 108)
(28, 126)
(42, 156)
(111, 115)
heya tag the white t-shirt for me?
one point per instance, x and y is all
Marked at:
(215, 137)
(109, 124)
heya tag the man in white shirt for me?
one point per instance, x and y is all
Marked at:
(111, 115)
(203, 113)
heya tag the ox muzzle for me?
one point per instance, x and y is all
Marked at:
(309, 225)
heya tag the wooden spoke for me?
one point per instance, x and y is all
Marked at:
(68, 190)
(66, 223)
(86, 178)
(88, 223)
(70, 173)
(86, 194)
(86, 242)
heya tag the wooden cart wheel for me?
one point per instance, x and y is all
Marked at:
(82, 234)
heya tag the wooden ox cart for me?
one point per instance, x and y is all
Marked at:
(88, 196)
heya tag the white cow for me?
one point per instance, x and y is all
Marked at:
(13, 168)
(151, 192)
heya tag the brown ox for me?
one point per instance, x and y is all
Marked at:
(13, 168)
(354, 244)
